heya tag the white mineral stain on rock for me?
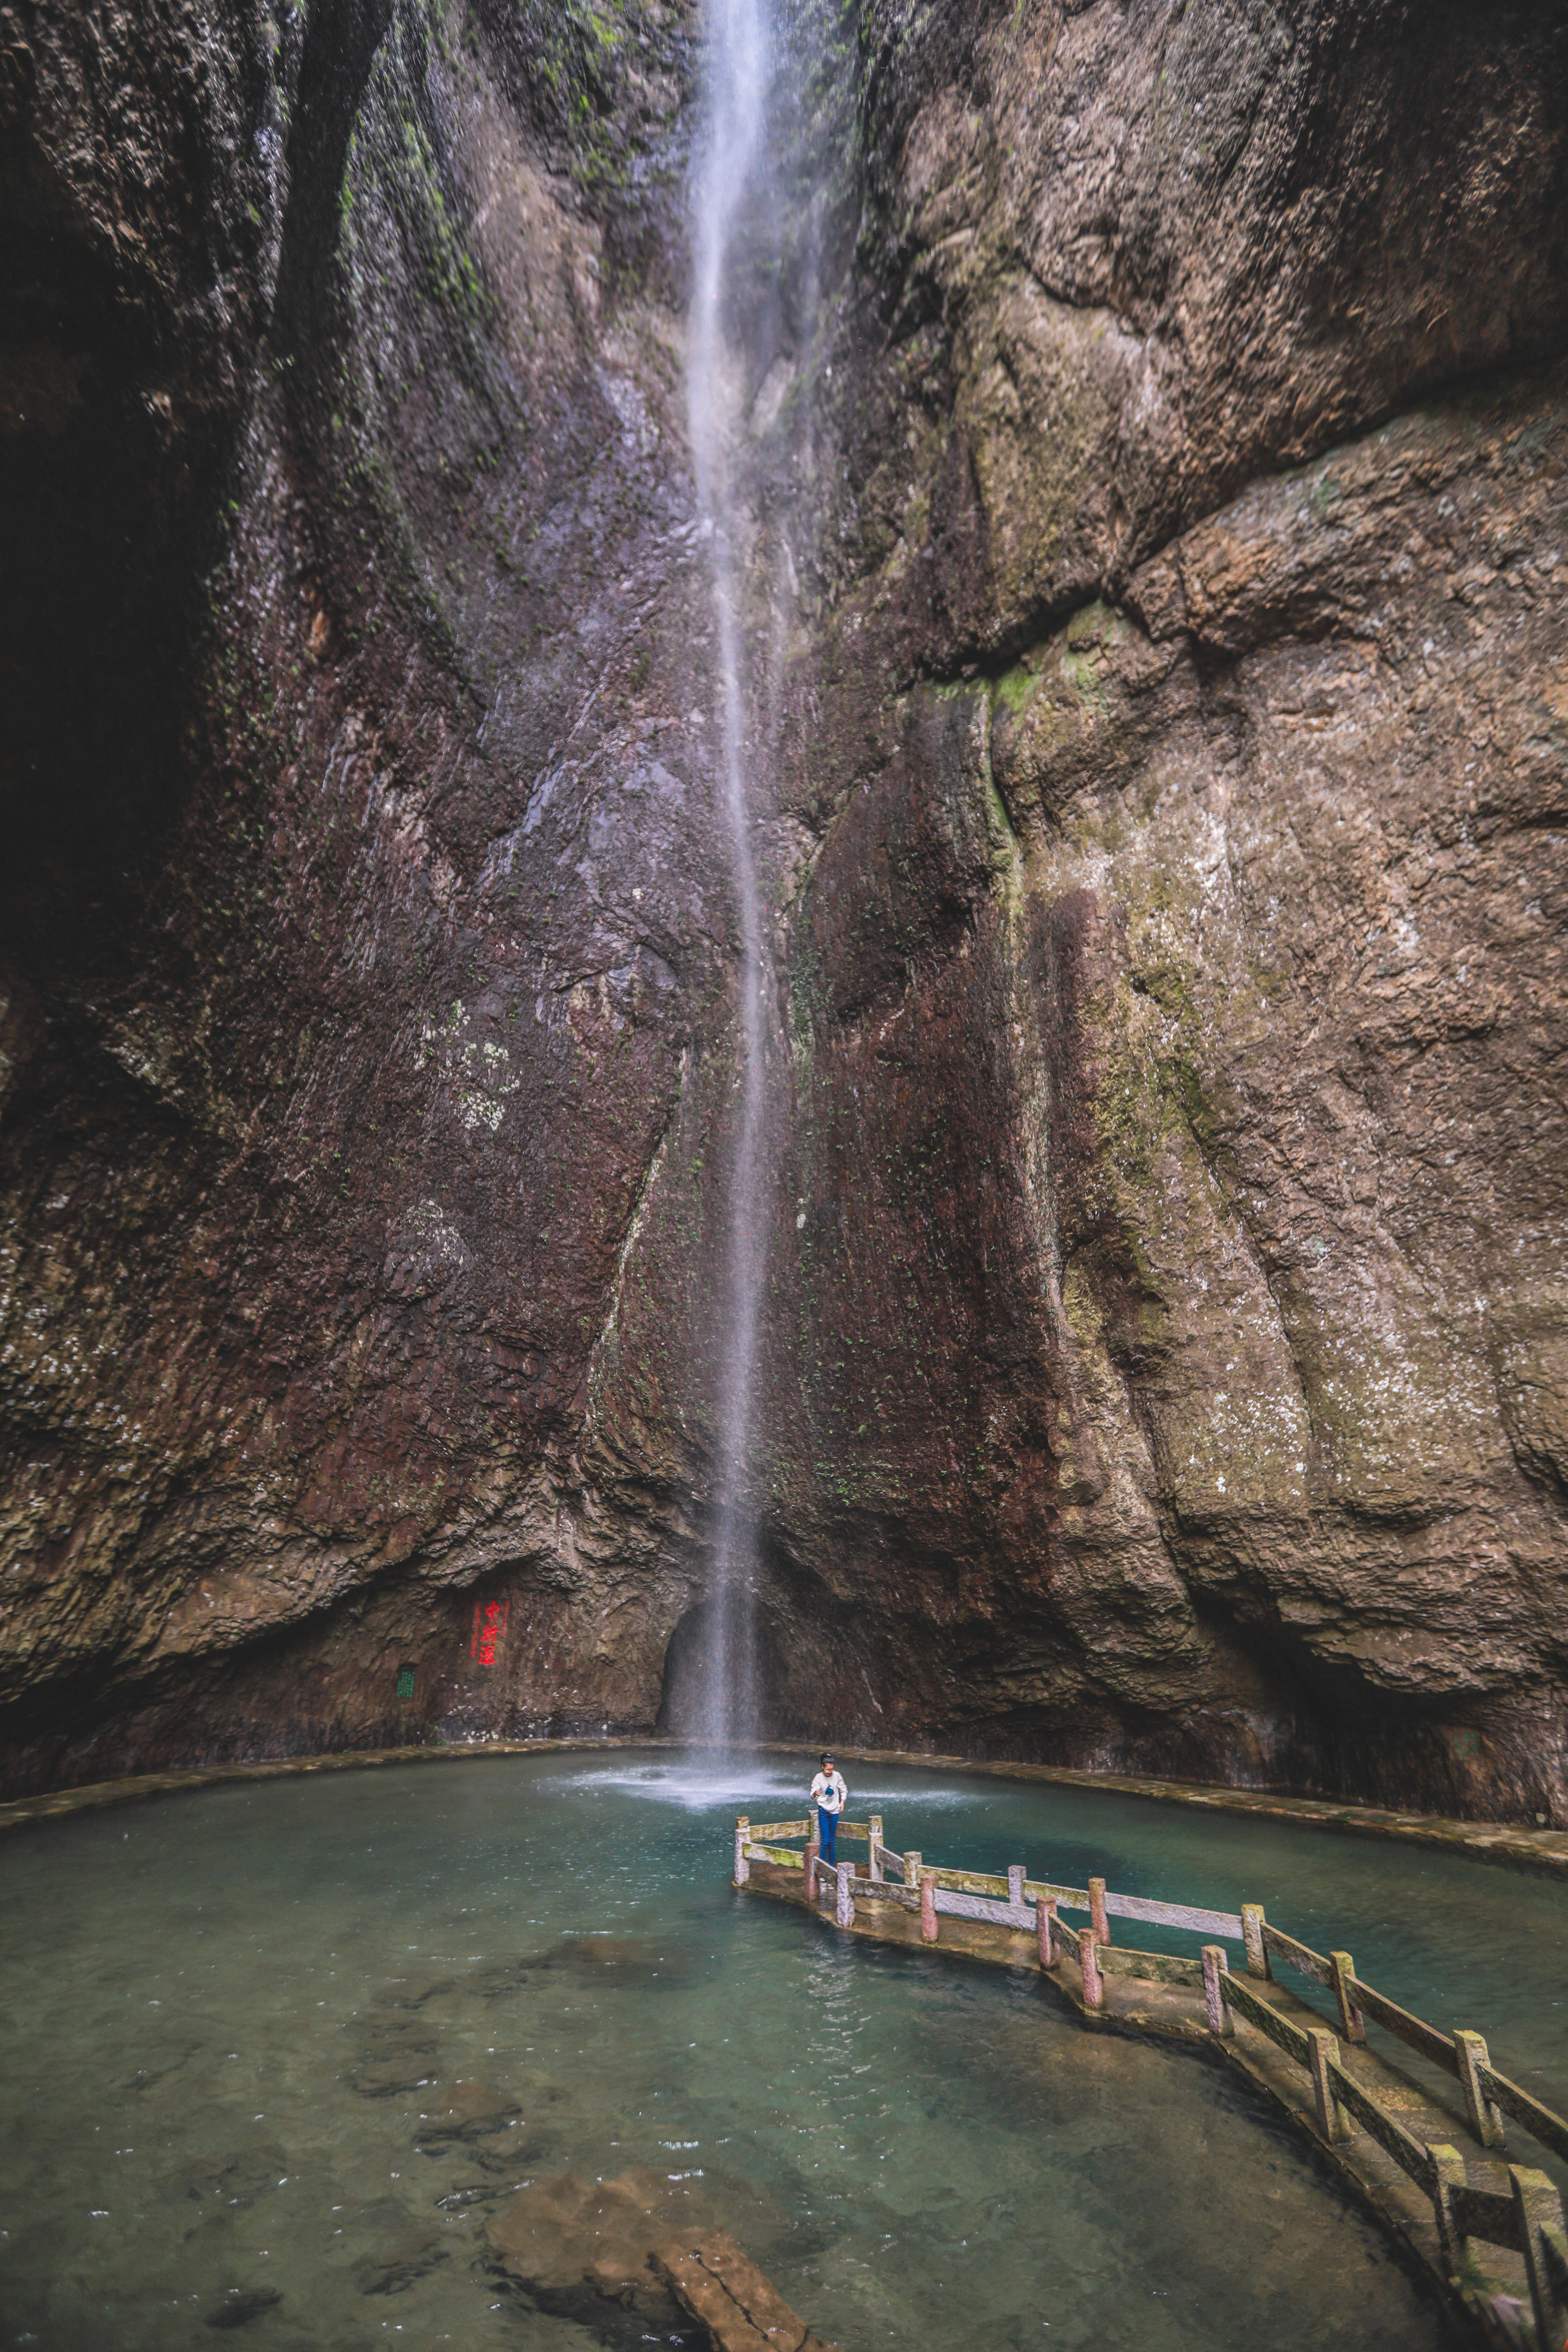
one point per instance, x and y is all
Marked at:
(477, 1071)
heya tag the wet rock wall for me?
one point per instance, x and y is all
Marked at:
(1156, 441)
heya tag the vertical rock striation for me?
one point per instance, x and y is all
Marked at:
(1154, 459)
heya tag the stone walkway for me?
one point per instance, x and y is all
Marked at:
(1494, 2298)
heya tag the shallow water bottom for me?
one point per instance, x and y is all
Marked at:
(279, 2053)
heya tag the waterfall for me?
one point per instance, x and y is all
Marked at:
(730, 169)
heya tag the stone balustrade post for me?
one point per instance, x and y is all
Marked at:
(927, 1906)
(1089, 1961)
(1448, 2171)
(1538, 2209)
(1045, 1922)
(1485, 2120)
(1352, 2025)
(1096, 1919)
(1325, 2051)
(1252, 1935)
(1216, 1968)
(742, 1839)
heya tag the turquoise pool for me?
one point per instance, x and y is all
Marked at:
(235, 2019)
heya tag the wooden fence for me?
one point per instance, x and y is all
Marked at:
(1527, 2218)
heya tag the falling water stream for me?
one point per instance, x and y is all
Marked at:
(731, 167)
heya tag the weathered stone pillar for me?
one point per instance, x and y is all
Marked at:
(1325, 2049)
(1352, 2025)
(1089, 1961)
(1448, 2167)
(1486, 2121)
(1045, 1921)
(1537, 2207)
(1252, 1935)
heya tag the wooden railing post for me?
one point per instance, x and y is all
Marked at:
(1325, 2051)
(1252, 1935)
(1352, 2025)
(1096, 1919)
(928, 1905)
(1471, 2049)
(1449, 2169)
(911, 1870)
(1045, 1921)
(1216, 1968)
(1538, 2209)
(1093, 1982)
(875, 1846)
(742, 1839)
(845, 1909)
(1014, 1886)
(812, 1856)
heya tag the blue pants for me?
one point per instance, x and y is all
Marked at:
(827, 1835)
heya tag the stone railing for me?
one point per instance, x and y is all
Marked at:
(1527, 2218)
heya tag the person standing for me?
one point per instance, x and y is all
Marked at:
(830, 1796)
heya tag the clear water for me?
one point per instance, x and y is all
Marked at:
(228, 2013)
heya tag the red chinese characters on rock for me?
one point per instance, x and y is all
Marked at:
(490, 1629)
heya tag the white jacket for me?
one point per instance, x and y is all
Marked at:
(829, 1792)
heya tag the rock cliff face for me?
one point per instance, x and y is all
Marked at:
(1157, 446)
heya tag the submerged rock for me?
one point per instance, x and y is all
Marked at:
(559, 2238)
(403, 2247)
(397, 2055)
(242, 2304)
(720, 2284)
(464, 2111)
(646, 2244)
